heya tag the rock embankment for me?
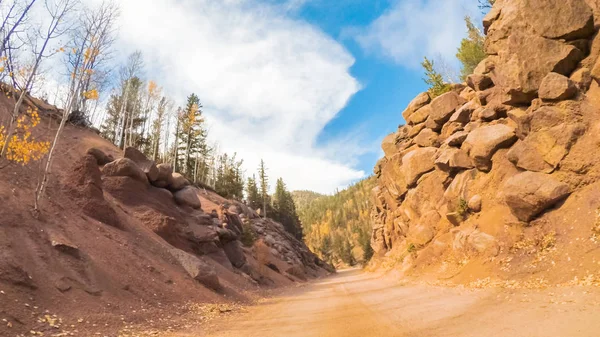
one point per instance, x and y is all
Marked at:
(503, 149)
(207, 235)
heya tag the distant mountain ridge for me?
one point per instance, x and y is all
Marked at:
(337, 227)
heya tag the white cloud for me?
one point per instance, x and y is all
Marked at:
(269, 84)
(412, 29)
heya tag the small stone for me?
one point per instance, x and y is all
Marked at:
(475, 204)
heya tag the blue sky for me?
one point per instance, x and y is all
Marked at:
(310, 86)
(387, 85)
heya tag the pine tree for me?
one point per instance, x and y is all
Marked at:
(434, 79)
(191, 136)
(264, 187)
(471, 51)
(229, 181)
(252, 195)
(284, 210)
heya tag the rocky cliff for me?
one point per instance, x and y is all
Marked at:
(499, 177)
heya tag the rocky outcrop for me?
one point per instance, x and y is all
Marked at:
(201, 243)
(518, 29)
(503, 149)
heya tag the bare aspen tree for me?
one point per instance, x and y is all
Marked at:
(152, 96)
(449, 72)
(172, 113)
(58, 10)
(132, 69)
(80, 71)
(14, 14)
(158, 125)
(176, 143)
(95, 26)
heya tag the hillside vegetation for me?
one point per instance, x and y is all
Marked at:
(338, 228)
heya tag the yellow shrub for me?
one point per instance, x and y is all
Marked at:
(23, 148)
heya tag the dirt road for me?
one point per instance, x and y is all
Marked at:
(356, 304)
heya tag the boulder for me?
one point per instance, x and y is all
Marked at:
(161, 184)
(544, 149)
(427, 196)
(463, 114)
(483, 243)
(418, 162)
(582, 78)
(488, 113)
(235, 253)
(165, 171)
(524, 155)
(449, 129)
(199, 233)
(124, 167)
(424, 231)
(415, 130)
(468, 94)
(427, 138)
(421, 234)
(455, 218)
(483, 142)
(146, 165)
(443, 106)
(458, 189)
(101, 157)
(418, 102)
(528, 194)
(226, 235)
(457, 139)
(552, 19)
(520, 75)
(557, 87)
(479, 82)
(475, 240)
(453, 159)
(178, 182)
(197, 269)
(475, 203)
(188, 196)
(389, 145)
(420, 115)
(392, 176)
